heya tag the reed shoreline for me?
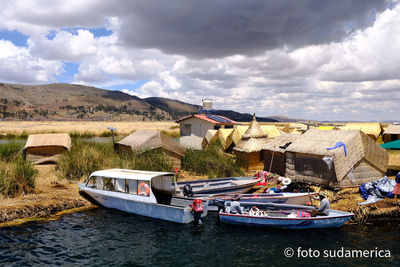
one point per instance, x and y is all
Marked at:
(54, 194)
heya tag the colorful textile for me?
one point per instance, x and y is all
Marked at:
(396, 190)
(303, 214)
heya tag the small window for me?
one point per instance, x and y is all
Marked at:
(143, 188)
(109, 184)
(186, 130)
(99, 182)
(228, 127)
(132, 187)
(119, 185)
(92, 182)
(217, 127)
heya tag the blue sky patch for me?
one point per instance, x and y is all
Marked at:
(98, 32)
(15, 37)
(70, 69)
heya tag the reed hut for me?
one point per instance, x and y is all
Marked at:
(392, 133)
(145, 140)
(271, 131)
(237, 133)
(223, 135)
(273, 153)
(372, 129)
(46, 148)
(292, 128)
(248, 148)
(356, 159)
(211, 137)
(235, 136)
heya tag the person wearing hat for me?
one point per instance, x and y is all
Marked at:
(235, 205)
(278, 189)
(324, 206)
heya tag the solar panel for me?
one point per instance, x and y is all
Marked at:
(218, 118)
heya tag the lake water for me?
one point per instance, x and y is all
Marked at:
(104, 237)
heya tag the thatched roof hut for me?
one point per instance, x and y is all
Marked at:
(144, 140)
(372, 129)
(237, 133)
(271, 131)
(294, 128)
(248, 148)
(223, 135)
(273, 153)
(309, 160)
(46, 148)
(392, 133)
(211, 137)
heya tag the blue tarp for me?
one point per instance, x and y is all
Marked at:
(337, 145)
(392, 145)
(377, 190)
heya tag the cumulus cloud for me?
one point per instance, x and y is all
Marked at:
(310, 59)
(222, 28)
(18, 66)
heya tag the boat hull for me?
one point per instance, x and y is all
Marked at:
(334, 220)
(282, 198)
(122, 202)
(220, 185)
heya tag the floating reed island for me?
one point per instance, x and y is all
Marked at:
(28, 190)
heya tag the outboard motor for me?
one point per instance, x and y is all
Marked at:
(187, 190)
(198, 209)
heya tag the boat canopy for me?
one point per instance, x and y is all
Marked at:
(130, 174)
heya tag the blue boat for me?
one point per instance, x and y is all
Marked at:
(283, 216)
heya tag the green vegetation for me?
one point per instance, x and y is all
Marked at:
(87, 157)
(17, 177)
(85, 134)
(10, 151)
(9, 136)
(173, 134)
(211, 162)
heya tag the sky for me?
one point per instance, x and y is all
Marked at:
(309, 59)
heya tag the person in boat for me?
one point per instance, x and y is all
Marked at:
(323, 207)
(235, 205)
(282, 185)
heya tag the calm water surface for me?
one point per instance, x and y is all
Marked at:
(103, 237)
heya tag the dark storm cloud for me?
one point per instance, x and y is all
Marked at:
(220, 28)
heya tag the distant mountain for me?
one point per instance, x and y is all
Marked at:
(79, 102)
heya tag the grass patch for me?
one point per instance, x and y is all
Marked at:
(23, 135)
(17, 177)
(86, 134)
(173, 134)
(211, 162)
(10, 151)
(87, 157)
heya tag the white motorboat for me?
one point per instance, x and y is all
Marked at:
(140, 192)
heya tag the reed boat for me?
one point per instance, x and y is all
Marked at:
(282, 216)
(139, 192)
(216, 186)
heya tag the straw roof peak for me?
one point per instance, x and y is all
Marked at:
(253, 140)
(254, 131)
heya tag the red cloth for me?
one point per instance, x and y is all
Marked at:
(396, 189)
(303, 214)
